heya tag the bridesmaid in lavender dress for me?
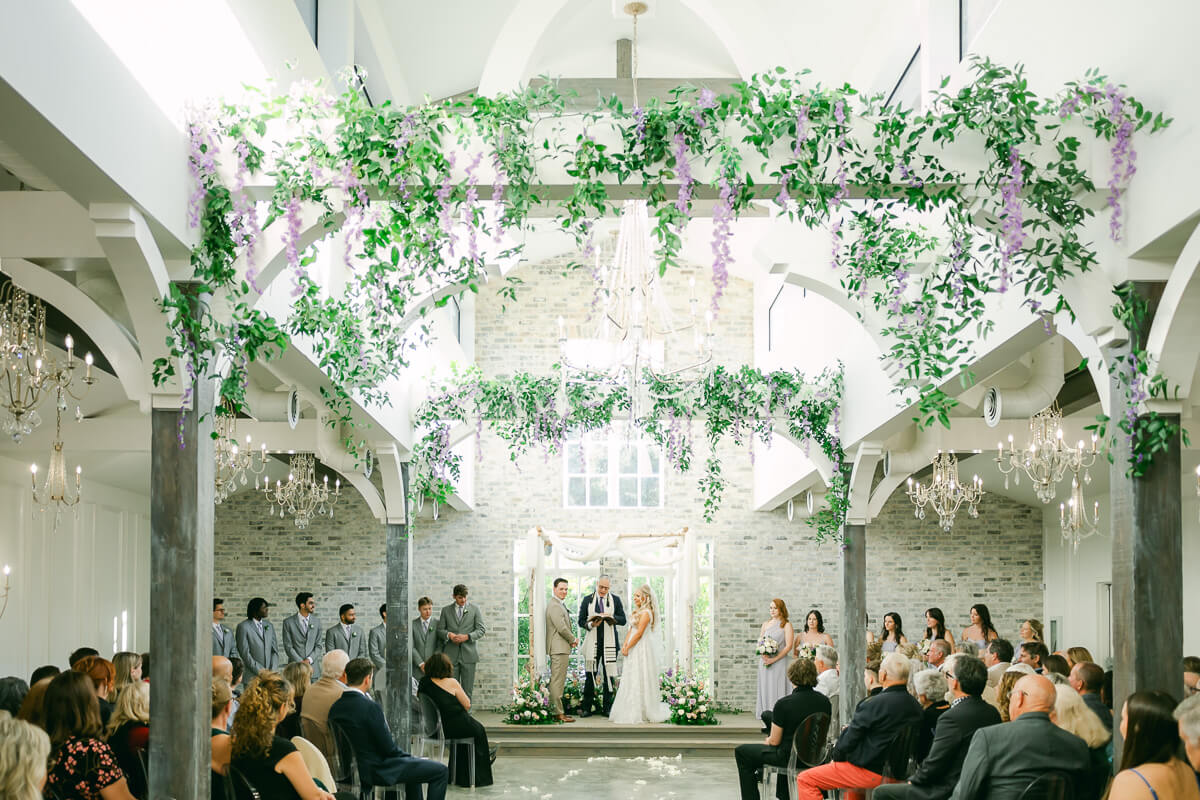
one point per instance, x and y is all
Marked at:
(773, 682)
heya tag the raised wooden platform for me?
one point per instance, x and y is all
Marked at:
(596, 736)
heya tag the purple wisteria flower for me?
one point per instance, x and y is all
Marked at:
(722, 231)
(472, 203)
(708, 98)
(1124, 158)
(443, 197)
(1012, 232)
(202, 166)
(684, 172)
(244, 225)
(639, 115)
(292, 243)
(801, 130)
(498, 178)
(958, 260)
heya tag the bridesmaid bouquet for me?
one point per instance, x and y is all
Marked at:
(808, 651)
(766, 647)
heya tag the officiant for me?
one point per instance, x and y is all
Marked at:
(599, 614)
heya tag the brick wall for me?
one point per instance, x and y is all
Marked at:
(756, 556)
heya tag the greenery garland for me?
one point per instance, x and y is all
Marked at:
(408, 182)
(529, 411)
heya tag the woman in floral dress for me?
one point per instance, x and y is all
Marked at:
(81, 766)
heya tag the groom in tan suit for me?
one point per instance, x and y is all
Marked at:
(560, 641)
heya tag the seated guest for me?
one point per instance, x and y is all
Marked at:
(967, 649)
(1004, 692)
(871, 681)
(1073, 716)
(784, 719)
(1056, 664)
(1188, 716)
(938, 773)
(272, 765)
(101, 671)
(1034, 654)
(1078, 655)
(222, 743)
(826, 661)
(24, 749)
(380, 761)
(939, 651)
(1087, 679)
(33, 707)
(82, 652)
(127, 668)
(1150, 763)
(320, 697)
(299, 675)
(452, 705)
(997, 657)
(859, 754)
(1191, 675)
(81, 766)
(222, 669)
(1031, 631)
(146, 667)
(48, 671)
(128, 733)
(931, 687)
(1004, 759)
(12, 694)
(239, 669)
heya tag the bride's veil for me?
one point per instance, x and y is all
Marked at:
(654, 632)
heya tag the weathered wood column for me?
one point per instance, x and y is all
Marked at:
(398, 693)
(1147, 551)
(852, 644)
(181, 588)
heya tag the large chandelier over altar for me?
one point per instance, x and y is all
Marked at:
(1047, 458)
(234, 464)
(636, 332)
(303, 496)
(30, 371)
(945, 493)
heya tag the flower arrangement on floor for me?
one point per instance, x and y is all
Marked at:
(573, 691)
(808, 651)
(690, 702)
(530, 705)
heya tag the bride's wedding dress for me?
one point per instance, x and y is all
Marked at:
(639, 698)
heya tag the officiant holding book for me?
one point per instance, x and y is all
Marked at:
(599, 614)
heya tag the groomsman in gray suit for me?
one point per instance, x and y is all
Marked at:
(424, 637)
(459, 627)
(377, 650)
(302, 634)
(222, 637)
(346, 635)
(256, 642)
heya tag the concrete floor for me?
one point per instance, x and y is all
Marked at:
(607, 778)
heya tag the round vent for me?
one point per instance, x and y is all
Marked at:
(809, 502)
(992, 407)
(887, 463)
(293, 407)
(368, 464)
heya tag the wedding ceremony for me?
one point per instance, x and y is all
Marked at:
(584, 399)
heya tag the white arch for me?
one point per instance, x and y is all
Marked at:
(1174, 340)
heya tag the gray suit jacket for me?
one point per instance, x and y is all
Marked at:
(258, 652)
(297, 646)
(377, 646)
(424, 644)
(1004, 759)
(471, 624)
(559, 633)
(335, 639)
(224, 645)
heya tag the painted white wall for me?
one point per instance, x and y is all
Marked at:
(69, 585)
(1072, 578)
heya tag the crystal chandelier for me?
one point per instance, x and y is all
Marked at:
(55, 488)
(234, 465)
(29, 370)
(636, 331)
(1047, 458)
(1073, 516)
(302, 496)
(945, 493)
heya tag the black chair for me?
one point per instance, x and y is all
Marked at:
(143, 764)
(1052, 785)
(808, 750)
(241, 786)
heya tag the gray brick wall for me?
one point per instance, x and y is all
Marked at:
(756, 556)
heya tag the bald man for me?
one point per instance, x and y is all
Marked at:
(1004, 759)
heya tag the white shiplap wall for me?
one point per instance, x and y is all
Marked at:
(69, 585)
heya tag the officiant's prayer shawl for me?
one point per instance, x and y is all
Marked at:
(599, 649)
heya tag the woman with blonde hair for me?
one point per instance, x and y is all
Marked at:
(270, 763)
(1007, 681)
(33, 707)
(299, 675)
(1073, 716)
(1079, 655)
(128, 732)
(638, 696)
(24, 749)
(1031, 631)
(773, 682)
(128, 669)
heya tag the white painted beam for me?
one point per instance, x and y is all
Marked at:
(45, 225)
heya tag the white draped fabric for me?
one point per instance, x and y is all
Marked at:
(656, 550)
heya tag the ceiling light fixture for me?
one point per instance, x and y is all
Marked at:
(303, 496)
(1047, 458)
(944, 493)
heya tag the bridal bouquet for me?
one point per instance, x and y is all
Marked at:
(688, 698)
(530, 705)
(808, 651)
(766, 647)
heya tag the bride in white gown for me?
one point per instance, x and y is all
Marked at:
(639, 698)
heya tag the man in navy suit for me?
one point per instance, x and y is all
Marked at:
(380, 761)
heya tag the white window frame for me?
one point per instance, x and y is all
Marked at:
(615, 442)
